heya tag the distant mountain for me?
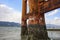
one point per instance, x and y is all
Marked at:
(52, 26)
(11, 24)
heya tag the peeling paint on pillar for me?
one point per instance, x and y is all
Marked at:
(36, 29)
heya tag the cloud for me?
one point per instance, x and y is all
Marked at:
(5, 6)
(51, 17)
(56, 18)
(9, 14)
(53, 12)
(55, 21)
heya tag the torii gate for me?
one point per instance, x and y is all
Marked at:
(37, 9)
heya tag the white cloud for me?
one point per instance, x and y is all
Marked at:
(9, 14)
(53, 12)
(2, 5)
(56, 18)
(55, 21)
(5, 6)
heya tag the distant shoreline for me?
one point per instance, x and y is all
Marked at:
(10, 26)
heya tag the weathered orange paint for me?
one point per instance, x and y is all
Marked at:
(37, 8)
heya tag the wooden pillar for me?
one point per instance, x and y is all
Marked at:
(24, 8)
(24, 24)
(43, 27)
(24, 11)
(41, 19)
(33, 6)
(36, 27)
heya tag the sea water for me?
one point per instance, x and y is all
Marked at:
(14, 33)
(10, 33)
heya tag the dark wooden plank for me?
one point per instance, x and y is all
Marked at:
(53, 29)
(49, 5)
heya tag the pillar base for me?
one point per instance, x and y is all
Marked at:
(30, 37)
(36, 32)
(24, 30)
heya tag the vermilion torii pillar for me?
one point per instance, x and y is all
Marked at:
(36, 29)
(24, 24)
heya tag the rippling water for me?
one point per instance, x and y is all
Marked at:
(13, 33)
(10, 33)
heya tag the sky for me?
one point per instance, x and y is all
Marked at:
(16, 4)
(53, 17)
(11, 10)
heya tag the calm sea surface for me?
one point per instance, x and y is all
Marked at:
(10, 33)
(13, 33)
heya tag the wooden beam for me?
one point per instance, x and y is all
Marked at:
(48, 5)
(24, 8)
(53, 29)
